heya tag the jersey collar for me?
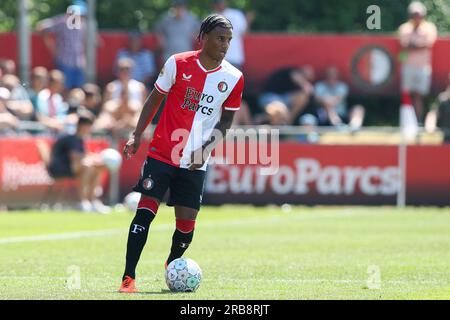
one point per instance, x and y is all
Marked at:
(203, 68)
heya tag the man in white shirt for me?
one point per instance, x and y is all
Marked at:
(417, 38)
(240, 22)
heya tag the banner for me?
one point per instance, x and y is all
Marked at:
(24, 178)
(306, 174)
(324, 174)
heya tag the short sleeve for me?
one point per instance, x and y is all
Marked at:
(319, 89)
(167, 76)
(233, 102)
(51, 24)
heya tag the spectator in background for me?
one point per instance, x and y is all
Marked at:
(417, 37)
(69, 159)
(286, 94)
(439, 115)
(308, 122)
(240, 22)
(39, 81)
(19, 103)
(7, 120)
(177, 30)
(69, 51)
(123, 100)
(7, 66)
(92, 98)
(75, 100)
(331, 95)
(144, 61)
(51, 109)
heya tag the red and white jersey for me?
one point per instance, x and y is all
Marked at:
(195, 99)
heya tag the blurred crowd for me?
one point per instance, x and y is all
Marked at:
(290, 96)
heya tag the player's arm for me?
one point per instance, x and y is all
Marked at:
(45, 28)
(151, 106)
(221, 127)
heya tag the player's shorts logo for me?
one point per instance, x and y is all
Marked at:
(222, 86)
(148, 183)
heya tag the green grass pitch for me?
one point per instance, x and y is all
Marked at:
(244, 252)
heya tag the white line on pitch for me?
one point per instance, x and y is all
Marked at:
(165, 227)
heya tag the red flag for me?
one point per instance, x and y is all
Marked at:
(408, 119)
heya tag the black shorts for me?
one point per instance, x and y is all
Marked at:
(186, 187)
(60, 170)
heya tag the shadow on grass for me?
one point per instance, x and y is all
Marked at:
(163, 291)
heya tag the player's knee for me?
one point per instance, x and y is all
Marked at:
(148, 205)
(185, 225)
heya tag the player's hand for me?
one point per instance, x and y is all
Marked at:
(132, 146)
(198, 158)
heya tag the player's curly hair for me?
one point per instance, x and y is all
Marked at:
(212, 21)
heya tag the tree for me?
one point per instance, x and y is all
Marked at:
(271, 15)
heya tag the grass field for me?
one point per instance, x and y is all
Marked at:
(244, 252)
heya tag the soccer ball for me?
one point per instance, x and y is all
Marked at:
(183, 275)
(112, 159)
(131, 201)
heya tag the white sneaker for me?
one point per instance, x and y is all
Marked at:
(99, 207)
(85, 206)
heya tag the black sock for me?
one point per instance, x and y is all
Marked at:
(137, 237)
(180, 243)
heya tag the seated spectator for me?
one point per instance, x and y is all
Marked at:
(331, 95)
(39, 81)
(309, 124)
(439, 115)
(75, 100)
(69, 159)
(7, 66)
(123, 100)
(7, 120)
(144, 61)
(92, 98)
(285, 97)
(19, 103)
(51, 109)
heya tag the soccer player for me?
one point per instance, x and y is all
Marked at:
(203, 91)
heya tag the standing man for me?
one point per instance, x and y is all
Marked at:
(417, 37)
(203, 92)
(241, 22)
(176, 30)
(69, 50)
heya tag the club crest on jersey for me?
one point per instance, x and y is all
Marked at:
(222, 86)
(148, 183)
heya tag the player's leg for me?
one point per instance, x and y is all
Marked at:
(153, 184)
(186, 190)
(138, 233)
(184, 231)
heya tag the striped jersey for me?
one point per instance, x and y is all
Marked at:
(194, 103)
